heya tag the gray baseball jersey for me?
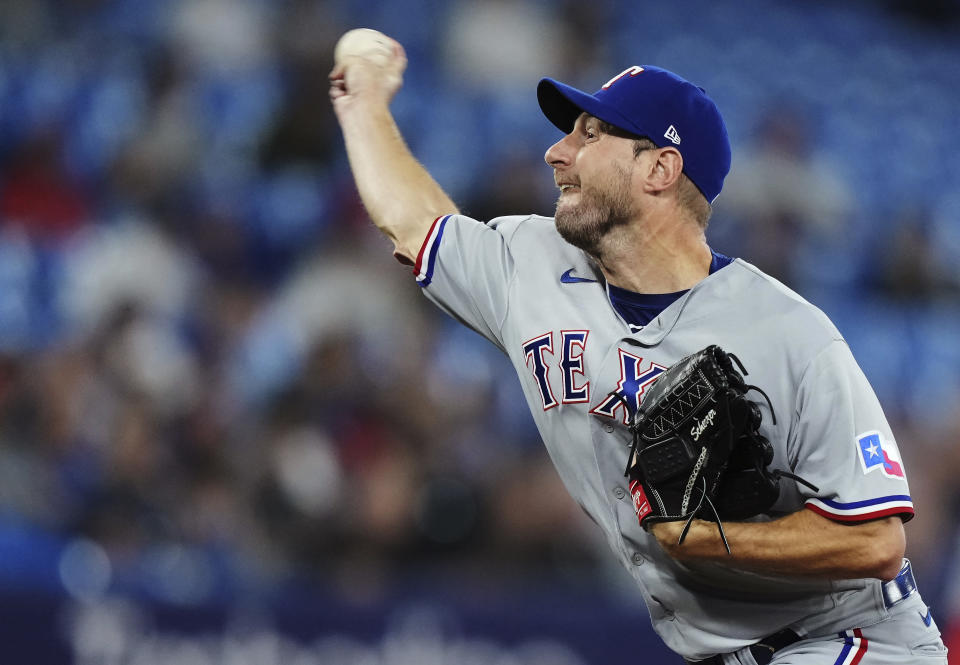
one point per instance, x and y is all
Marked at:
(543, 302)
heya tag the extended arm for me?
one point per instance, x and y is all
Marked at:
(400, 196)
(800, 544)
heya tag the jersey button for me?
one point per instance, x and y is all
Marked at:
(608, 429)
(619, 492)
(637, 559)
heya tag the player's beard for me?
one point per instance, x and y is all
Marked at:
(586, 223)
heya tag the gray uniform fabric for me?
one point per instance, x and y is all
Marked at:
(543, 302)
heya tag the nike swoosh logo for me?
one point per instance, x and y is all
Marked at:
(569, 278)
(927, 618)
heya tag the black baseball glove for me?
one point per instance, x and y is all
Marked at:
(697, 450)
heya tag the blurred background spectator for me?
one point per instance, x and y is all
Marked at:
(780, 196)
(224, 412)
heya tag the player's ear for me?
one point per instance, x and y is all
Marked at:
(665, 170)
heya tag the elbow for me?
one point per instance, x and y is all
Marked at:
(410, 232)
(888, 550)
(406, 246)
(889, 567)
(404, 255)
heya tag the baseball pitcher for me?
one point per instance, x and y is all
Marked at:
(712, 422)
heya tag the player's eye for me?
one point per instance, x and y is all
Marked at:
(590, 129)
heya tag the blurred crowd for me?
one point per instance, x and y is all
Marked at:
(209, 361)
(205, 345)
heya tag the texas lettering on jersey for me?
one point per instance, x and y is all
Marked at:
(635, 375)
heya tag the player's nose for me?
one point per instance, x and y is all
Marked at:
(559, 154)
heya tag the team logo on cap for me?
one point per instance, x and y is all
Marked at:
(875, 453)
(629, 71)
(672, 135)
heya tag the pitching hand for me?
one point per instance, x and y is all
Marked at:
(359, 79)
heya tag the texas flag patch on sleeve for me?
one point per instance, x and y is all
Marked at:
(876, 453)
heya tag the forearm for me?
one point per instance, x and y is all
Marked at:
(398, 193)
(801, 544)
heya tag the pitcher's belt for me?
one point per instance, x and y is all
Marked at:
(894, 591)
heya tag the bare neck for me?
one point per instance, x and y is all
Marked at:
(655, 255)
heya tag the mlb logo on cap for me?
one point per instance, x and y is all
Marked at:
(875, 453)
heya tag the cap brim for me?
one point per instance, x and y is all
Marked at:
(563, 104)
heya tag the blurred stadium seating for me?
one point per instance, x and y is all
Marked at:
(226, 421)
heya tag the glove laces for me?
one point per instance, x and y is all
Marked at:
(702, 487)
(693, 515)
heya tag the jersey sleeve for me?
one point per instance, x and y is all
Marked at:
(844, 445)
(466, 268)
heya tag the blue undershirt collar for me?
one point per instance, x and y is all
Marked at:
(639, 309)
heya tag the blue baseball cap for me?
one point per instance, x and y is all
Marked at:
(656, 103)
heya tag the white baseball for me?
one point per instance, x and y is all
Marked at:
(364, 42)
